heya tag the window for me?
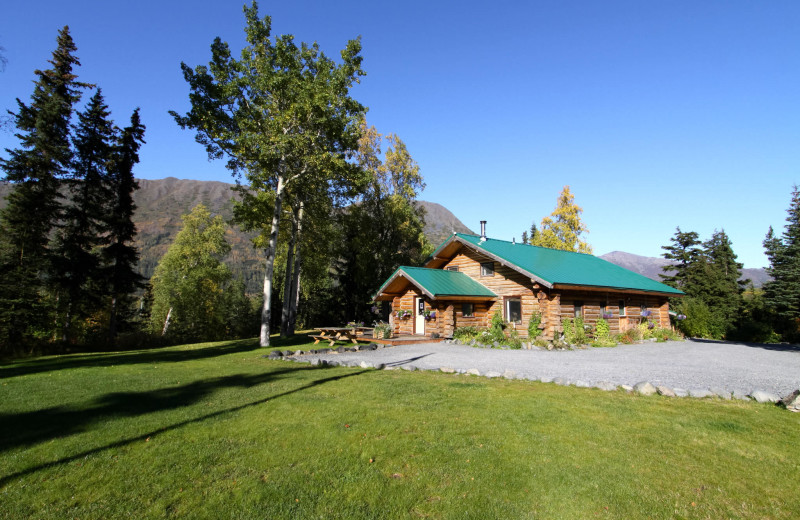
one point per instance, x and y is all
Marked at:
(514, 310)
(487, 269)
(578, 308)
(467, 311)
(622, 308)
(453, 268)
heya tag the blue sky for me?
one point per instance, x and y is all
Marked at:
(658, 114)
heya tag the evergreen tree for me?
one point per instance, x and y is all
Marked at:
(563, 228)
(120, 255)
(720, 288)
(524, 237)
(34, 206)
(782, 294)
(76, 273)
(685, 255)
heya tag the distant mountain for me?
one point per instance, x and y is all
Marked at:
(160, 204)
(440, 223)
(651, 267)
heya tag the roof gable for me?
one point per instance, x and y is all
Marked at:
(552, 267)
(435, 283)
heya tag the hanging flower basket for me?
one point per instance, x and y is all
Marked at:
(429, 314)
(403, 314)
(646, 313)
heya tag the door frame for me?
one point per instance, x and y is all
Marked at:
(419, 318)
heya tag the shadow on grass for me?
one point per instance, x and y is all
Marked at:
(780, 347)
(161, 355)
(28, 428)
(233, 380)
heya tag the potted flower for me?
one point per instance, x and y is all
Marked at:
(646, 313)
(403, 313)
(429, 314)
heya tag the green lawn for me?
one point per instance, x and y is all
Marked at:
(217, 431)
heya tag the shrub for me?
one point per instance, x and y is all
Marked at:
(602, 335)
(629, 336)
(574, 332)
(533, 326)
(465, 334)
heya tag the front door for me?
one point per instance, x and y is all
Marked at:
(419, 326)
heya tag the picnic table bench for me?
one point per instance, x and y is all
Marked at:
(333, 334)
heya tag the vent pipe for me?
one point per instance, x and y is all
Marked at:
(483, 230)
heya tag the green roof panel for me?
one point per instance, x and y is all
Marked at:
(565, 267)
(440, 282)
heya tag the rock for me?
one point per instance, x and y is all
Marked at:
(762, 396)
(434, 335)
(561, 381)
(492, 374)
(340, 350)
(627, 388)
(380, 366)
(681, 392)
(365, 364)
(324, 351)
(509, 374)
(700, 393)
(606, 386)
(665, 391)
(316, 362)
(447, 370)
(300, 353)
(719, 392)
(644, 388)
(582, 384)
(410, 368)
(741, 395)
(792, 401)
(473, 372)
(351, 349)
(546, 379)
(275, 354)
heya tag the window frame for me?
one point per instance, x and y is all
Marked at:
(622, 312)
(507, 309)
(464, 313)
(453, 268)
(487, 269)
(577, 309)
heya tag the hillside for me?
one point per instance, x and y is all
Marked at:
(160, 204)
(651, 267)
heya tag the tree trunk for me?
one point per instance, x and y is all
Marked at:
(287, 279)
(298, 262)
(266, 313)
(112, 321)
(166, 322)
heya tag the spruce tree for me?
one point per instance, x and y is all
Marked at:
(34, 206)
(76, 263)
(120, 255)
(686, 257)
(720, 288)
(782, 294)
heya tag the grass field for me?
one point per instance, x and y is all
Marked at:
(217, 431)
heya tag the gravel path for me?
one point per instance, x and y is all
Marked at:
(688, 365)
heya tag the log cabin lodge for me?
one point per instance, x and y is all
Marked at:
(469, 278)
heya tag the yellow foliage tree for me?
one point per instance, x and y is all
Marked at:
(563, 228)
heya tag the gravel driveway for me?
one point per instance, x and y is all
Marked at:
(689, 365)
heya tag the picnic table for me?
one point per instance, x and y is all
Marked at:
(333, 334)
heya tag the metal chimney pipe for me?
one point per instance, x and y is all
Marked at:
(483, 230)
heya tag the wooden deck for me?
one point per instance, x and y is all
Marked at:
(401, 340)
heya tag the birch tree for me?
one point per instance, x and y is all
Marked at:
(282, 115)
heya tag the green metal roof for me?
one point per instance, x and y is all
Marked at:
(554, 266)
(440, 282)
